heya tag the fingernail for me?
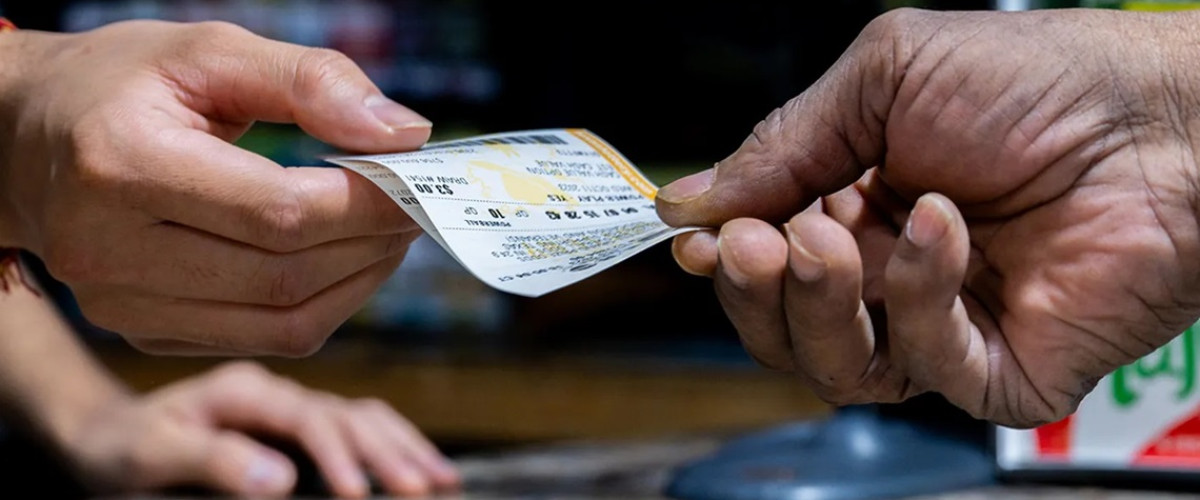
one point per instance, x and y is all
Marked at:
(677, 252)
(928, 222)
(804, 263)
(445, 470)
(395, 116)
(722, 255)
(687, 188)
(686, 269)
(413, 483)
(731, 250)
(357, 485)
(448, 475)
(267, 475)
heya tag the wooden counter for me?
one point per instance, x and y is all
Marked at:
(566, 428)
(537, 399)
(640, 470)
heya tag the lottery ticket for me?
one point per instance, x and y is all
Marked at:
(526, 212)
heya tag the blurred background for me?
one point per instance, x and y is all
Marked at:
(639, 351)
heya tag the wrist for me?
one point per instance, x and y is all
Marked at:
(1185, 56)
(65, 419)
(57, 404)
(20, 53)
(12, 66)
(67, 425)
(1180, 67)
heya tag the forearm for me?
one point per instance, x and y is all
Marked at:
(1188, 61)
(47, 379)
(1151, 61)
(1181, 61)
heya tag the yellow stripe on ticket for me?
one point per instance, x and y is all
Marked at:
(627, 171)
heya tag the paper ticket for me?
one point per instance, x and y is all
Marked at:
(526, 212)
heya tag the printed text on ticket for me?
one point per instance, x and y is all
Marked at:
(526, 212)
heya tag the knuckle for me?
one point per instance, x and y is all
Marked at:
(108, 149)
(208, 31)
(890, 25)
(300, 336)
(765, 132)
(321, 70)
(372, 406)
(95, 140)
(241, 372)
(890, 41)
(329, 401)
(200, 41)
(130, 25)
(69, 260)
(84, 138)
(282, 221)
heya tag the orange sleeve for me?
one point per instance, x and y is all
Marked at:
(9, 257)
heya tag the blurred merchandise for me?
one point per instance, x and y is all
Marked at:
(1145, 5)
(419, 49)
(1143, 419)
(1142, 5)
(1015, 5)
(431, 294)
(939, 4)
(628, 71)
(285, 144)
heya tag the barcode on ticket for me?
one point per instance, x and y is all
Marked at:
(516, 139)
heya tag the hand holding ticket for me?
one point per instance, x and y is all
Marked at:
(526, 212)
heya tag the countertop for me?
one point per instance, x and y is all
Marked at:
(641, 470)
(603, 422)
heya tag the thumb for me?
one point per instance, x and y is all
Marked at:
(243, 77)
(816, 144)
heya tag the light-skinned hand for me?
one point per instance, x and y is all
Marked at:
(117, 170)
(194, 432)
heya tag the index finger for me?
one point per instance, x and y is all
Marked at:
(236, 397)
(203, 182)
